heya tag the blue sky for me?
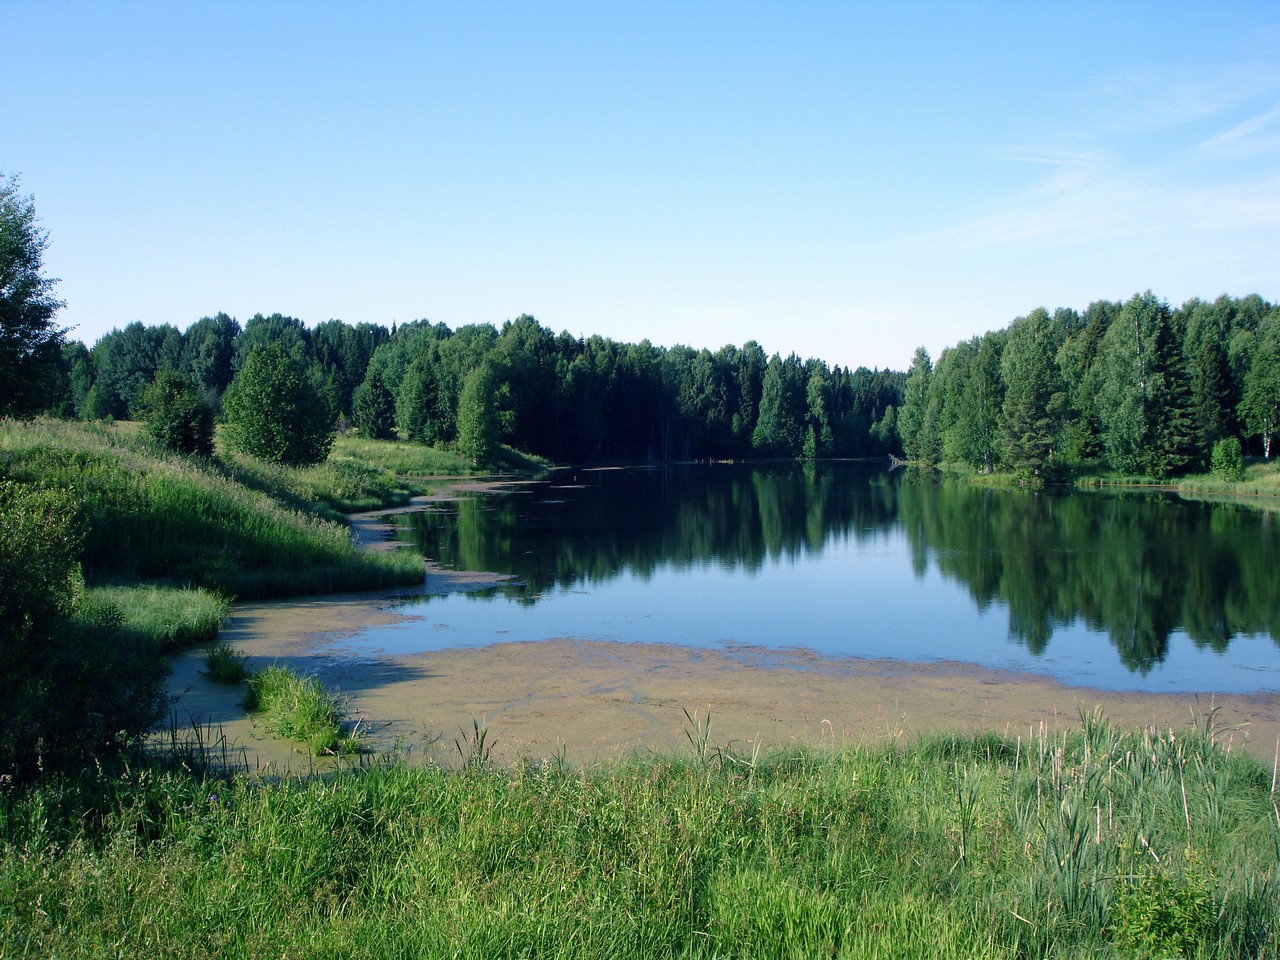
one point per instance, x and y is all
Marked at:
(842, 180)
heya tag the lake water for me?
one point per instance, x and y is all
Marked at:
(1117, 590)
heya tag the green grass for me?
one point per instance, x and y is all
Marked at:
(147, 516)
(299, 708)
(1092, 843)
(225, 664)
(172, 617)
(361, 474)
(1261, 479)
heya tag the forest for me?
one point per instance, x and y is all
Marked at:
(556, 396)
(1136, 387)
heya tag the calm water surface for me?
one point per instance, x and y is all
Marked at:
(1124, 590)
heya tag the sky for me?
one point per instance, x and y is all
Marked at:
(845, 181)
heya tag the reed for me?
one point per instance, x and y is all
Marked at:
(1074, 845)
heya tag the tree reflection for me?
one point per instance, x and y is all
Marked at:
(1136, 566)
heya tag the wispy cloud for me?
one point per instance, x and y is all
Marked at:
(1257, 135)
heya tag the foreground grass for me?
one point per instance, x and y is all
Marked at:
(1095, 843)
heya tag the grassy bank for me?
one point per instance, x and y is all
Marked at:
(1093, 844)
(1261, 479)
(151, 517)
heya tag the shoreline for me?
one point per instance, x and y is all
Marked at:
(594, 701)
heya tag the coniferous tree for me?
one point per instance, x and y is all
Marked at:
(1033, 393)
(373, 409)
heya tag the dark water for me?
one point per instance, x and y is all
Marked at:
(1122, 590)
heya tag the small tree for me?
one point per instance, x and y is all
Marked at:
(30, 343)
(176, 414)
(478, 417)
(275, 412)
(1228, 460)
(373, 408)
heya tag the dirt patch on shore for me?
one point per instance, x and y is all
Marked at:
(596, 701)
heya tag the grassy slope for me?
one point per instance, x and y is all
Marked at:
(1093, 844)
(165, 520)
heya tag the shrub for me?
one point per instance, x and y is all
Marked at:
(74, 683)
(176, 414)
(1228, 460)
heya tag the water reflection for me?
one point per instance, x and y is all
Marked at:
(1137, 567)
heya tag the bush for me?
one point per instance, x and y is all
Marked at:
(176, 414)
(1228, 460)
(74, 684)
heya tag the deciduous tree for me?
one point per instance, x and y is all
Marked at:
(274, 411)
(30, 341)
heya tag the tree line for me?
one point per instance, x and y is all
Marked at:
(554, 395)
(1139, 386)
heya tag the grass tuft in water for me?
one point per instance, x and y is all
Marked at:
(225, 664)
(299, 708)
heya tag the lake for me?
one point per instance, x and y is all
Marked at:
(1119, 590)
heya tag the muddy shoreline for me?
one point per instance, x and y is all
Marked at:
(595, 702)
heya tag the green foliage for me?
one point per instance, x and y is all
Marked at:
(780, 429)
(1159, 916)
(919, 425)
(1228, 460)
(74, 683)
(275, 412)
(225, 664)
(478, 418)
(300, 708)
(176, 414)
(373, 409)
(1033, 395)
(1260, 403)
(30, 343)
(1067, 845)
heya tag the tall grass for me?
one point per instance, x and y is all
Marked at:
(1261, 479)
(300, 708)
(1093, 843)
(151, 516)
(171, 617)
